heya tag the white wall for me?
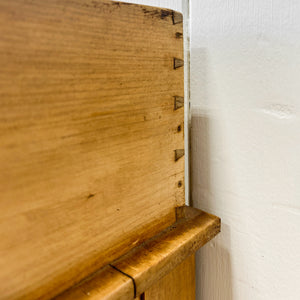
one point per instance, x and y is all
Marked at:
(245, 93)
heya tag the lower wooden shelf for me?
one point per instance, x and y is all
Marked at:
(135, 272)
(179, 284)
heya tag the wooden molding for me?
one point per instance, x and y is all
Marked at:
(149, 262)
(106, 284)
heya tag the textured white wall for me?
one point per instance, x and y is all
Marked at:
(245, 93)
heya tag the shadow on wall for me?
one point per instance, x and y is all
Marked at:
(213, 261)
(213, 270)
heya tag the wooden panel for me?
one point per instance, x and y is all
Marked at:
(88, 132)
(179, 284)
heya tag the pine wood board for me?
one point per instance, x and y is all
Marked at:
(88, 133)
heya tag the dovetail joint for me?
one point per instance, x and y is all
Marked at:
(178, 102)
(177, 17)
(179, 153)
(178, 63)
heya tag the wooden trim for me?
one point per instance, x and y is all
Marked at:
(149, 262)
(106, 284)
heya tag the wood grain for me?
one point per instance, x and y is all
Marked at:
(179, 284)
(107, 284)
(87, 132)
(149, 262)
(155, 258)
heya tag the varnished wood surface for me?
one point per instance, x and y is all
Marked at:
(108, 284)
(148, 263)
(156, 257)
(88, 132)
(179, 284)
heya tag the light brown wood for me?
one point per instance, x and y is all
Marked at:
(87, 132)
(179, 284)
(150, 262)
(159, 255)
(107, 284)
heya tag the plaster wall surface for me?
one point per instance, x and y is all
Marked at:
(245, 95)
